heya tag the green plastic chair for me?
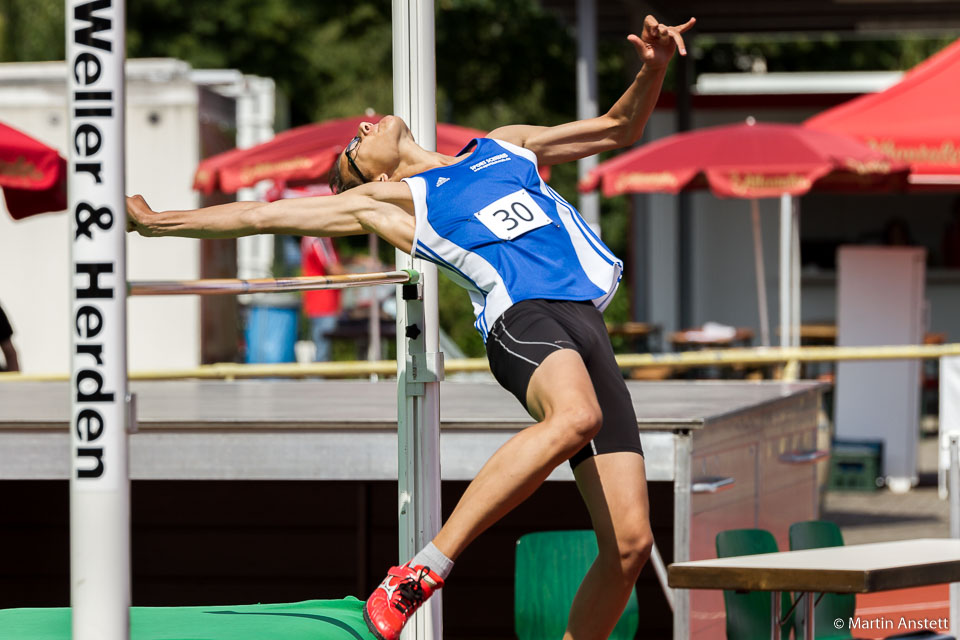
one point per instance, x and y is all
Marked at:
(748, 613)
(550, 566)
(817, 534)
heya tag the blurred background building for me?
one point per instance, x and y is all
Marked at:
(175, 117)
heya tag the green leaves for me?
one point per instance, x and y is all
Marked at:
(31, 30)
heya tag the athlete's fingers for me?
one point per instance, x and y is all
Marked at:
(650, 23)
(638, 43)
(678, 40)
(137, 212)
(686, 26)
(651, 30)
(654, 33)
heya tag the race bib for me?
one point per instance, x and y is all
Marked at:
(513, 215)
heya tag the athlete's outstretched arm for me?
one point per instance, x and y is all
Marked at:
(623, 124)
(384, 208)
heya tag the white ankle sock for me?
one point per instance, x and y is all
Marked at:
(432, 557)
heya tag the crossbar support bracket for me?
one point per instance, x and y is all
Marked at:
(421, 366)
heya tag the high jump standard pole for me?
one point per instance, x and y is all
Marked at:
(99, 479)
(419, 362)
(100, 487)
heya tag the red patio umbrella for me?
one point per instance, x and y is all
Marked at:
(916, 120)
(32, 175)
(751, 160)
(302, 154)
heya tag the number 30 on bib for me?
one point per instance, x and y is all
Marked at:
(513, 215)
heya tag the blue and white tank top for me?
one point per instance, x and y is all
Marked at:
(496, 228)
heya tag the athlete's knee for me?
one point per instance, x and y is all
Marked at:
(635, 554)
(585, 422)
(631, 550)
(576, 426)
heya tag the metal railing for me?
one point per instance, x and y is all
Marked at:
(726, 357)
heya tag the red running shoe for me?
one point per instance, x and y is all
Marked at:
(396, 599)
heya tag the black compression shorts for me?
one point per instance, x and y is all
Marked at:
(531, 330)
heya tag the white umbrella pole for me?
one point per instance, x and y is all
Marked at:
(761, 274)
(795, 274)
(784, 288)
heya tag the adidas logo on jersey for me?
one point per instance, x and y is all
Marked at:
(441, 181)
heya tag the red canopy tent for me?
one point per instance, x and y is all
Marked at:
(916, 121)
(303, 154)
(33, 176)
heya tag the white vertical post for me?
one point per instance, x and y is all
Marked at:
(99, 478)
(955, 525)
(949, 464)
(949, 415)
(255, 113)
(589, 203)
(786, 226)
(414, 100)
(794, 273)
(760, 272)
(682, 515)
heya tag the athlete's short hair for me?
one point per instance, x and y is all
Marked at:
(340, 183)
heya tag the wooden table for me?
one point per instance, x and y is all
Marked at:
(694, 339)
(689, 339)
(861, 568)
(826, 334)
(637, 334)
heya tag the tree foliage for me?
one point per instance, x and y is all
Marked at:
(330, 59)
(31, 30)
(498, 62)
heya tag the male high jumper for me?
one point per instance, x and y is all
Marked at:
(538, 278)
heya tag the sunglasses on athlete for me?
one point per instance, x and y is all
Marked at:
(351, 147)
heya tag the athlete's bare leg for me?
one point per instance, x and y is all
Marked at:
(614, 487)
(561, 396)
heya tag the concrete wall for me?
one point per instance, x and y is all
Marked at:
(162, 153)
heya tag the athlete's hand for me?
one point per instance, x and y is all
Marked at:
(657, 42)
(138, 216)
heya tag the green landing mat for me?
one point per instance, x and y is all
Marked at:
(310, 620)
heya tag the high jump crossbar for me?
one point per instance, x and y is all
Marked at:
(235, 286)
